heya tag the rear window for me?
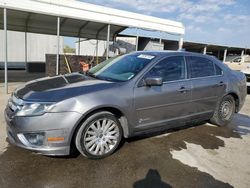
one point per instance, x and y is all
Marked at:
(200, 67)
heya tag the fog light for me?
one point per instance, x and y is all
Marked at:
(35, 138)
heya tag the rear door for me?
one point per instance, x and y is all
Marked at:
(157, 105)
(207, 83)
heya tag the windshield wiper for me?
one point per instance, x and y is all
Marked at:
(109, 79)
(90, 75)
(100, 77)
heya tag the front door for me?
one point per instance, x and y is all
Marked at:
(157, 105)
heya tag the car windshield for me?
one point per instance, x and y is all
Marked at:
(121, 68)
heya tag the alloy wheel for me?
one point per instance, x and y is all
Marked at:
(101, 136)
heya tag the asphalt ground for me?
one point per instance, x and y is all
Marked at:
(196, 156)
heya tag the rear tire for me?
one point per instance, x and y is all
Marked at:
(224, 111)
(99, 135)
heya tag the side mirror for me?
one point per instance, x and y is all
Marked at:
(154, 81)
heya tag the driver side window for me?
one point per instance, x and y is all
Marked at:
(169, 69)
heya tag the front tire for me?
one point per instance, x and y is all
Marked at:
(224, 111)
(99, 135)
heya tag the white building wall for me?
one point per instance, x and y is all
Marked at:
(130, 40)
(127, 43)
(15, 46)
(89, 47)
(37, 46)
(154, 45)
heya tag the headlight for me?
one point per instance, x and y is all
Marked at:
(34, 109)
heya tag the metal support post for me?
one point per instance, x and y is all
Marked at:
(242, 53)
(137, 40)
(225, 55)
(25, 50)
(5, 51)
(205, 50)
(107, 44)
(79, 46)
(58, 45)
(160, 41)
(180, 43)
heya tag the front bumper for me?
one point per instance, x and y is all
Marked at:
(52, 125)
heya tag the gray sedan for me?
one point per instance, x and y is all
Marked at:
(120, 98)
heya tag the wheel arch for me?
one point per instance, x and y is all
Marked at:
(117, 112)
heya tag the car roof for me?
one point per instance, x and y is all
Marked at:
(170, 52)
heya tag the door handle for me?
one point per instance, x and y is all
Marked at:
(221, 83)
(183, 89)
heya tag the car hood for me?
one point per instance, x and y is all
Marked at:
(54, 89)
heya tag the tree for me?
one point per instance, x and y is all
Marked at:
(68, 49)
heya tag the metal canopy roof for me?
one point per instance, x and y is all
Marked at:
(46, 24)
(74, 19)
(194, 46)
(78, 19)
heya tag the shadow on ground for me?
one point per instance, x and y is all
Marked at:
(152, 179)
(130, 166)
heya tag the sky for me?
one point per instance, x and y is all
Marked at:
(223, 22)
